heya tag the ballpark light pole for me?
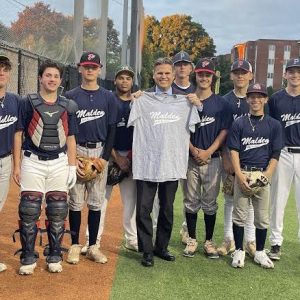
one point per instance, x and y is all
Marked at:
(78, 29)
(124, 33)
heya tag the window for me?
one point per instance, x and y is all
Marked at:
(271, 61)
(287, 48)
(271, 47)
(270, 75)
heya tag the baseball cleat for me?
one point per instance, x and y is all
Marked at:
(27, 269)
(250, 248)
(191, 248)
(84, 249)
(184, 236)
(275, 252)
(96, 255)
(262, 259)
(2, 267)
(55, 267)
(73, 254)
(228, 246)
(238, 258)
(210, 249)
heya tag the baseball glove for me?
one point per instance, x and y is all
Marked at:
(92, 167)
(115, 175)
(257, 180)
(228, 185)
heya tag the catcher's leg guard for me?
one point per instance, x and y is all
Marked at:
(29, 212)
(56, 212)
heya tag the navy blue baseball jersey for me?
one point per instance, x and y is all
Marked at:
(238, 105)
(255, 139)
(189, 90)
(96, 111)
(9, 111)
(27, 119)
(214, 117)
(286, 109)
(124, 135)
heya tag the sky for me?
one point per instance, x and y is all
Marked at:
(228, 22)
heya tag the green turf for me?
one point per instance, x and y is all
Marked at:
(203, 278)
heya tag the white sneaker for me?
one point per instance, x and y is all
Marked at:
(2, 267)
(191, 248)
(73, 254)
(27, 269)
(96, 255)
(238, 259)
(85, 248)
(132, 245)
(263, 259)
(55, 267)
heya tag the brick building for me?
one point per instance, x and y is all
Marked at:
(268, 58)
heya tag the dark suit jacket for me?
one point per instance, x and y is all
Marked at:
(174, 91)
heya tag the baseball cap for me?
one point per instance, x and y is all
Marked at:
(205, 65)
(125, 69)
(257, 88)
(181, 56)
(90, 58)
(5, 60)
(241, 64)
(294, 62)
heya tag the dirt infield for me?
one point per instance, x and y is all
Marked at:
(86, 280)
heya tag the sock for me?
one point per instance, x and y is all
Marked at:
(261, 235)
(210, 221)
(93, 224)
(191, 222)
(238, 233)
(74, 220)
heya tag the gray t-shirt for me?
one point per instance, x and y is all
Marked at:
(162, 125)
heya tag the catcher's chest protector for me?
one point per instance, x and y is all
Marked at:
(48, 128)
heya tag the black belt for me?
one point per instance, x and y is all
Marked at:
(40, 157)
(251, 169)
(293, 150)
(90, 145)
(5, 155)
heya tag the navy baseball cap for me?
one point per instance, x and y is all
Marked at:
(205, 65)
(4, 60)
(294, 62)
(241, 64)
(125, 69)
(257, 88)
(181, 56)
(90, 58)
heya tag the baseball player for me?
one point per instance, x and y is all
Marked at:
(241, 74)
(201, 187)
(9, 106)
(96, 118)
(161, 123)
(284, 106)
(49, 125)
(120, 154)
(255, 142)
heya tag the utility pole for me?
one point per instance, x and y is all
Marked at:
(78, 28)
(124, 33)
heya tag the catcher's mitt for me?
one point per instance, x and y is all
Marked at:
(228, 185)
(92, 167)
(115, 175)
(257, 180)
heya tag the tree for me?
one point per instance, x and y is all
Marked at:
(165, 39)
(223, 65)
(5, 33)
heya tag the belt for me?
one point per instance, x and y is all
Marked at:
(293, 150)
(252, 169)
(5, 155)
(41, 157)
(91, 145)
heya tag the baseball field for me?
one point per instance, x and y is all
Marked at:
(124, 278)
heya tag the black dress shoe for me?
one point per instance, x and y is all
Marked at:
(147, 260)
(165, 255)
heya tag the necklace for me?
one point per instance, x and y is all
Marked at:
(2, 101)
(251, 124)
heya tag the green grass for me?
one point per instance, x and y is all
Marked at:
(203, 278)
